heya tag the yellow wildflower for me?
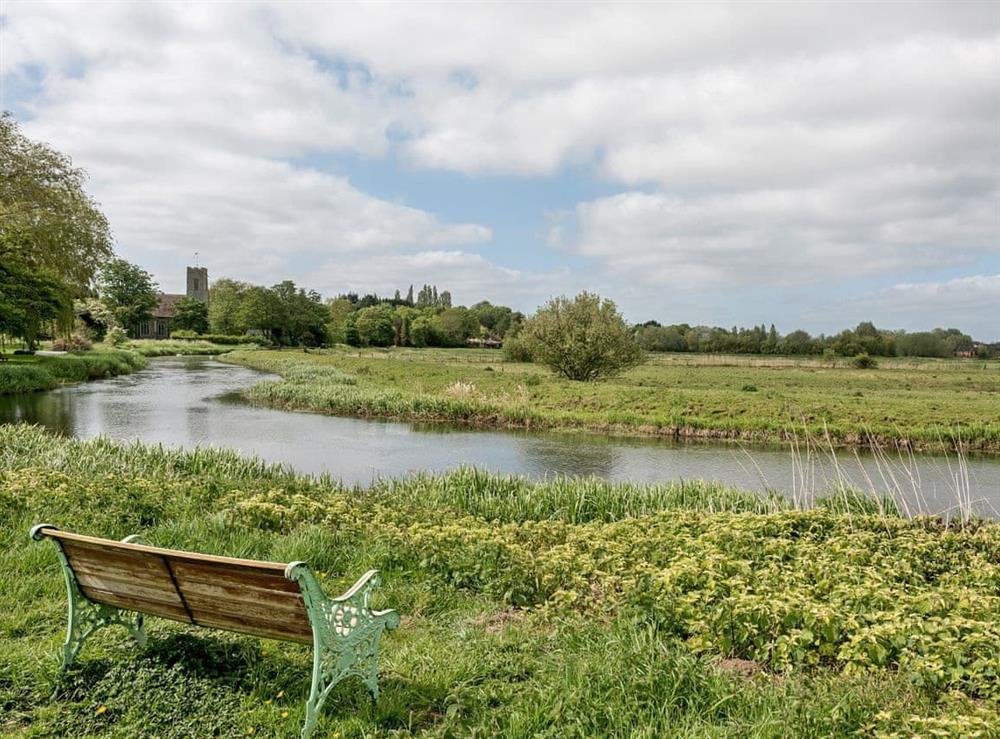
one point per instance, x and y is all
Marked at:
(102, 708)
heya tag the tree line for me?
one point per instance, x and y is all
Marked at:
(865, 338)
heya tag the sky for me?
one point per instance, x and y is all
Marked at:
(810, 165)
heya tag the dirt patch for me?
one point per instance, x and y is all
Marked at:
(495, 623)
(740, 667)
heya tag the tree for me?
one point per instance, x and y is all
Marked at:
(454, 326)
(29, 297)
(191, 314)
(583, 339)
(374, 325)
(336, 326)
(259, 310)
(224, 307)
(128, 291)
(45, 215)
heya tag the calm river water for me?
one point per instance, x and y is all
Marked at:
(189, 401)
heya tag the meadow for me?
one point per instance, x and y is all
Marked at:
(919, 404)
(572, 608)
(21, 374)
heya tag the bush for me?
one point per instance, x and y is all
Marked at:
(116, 336)
(75, 343)
(184, 334)
(583, 339)
(863, 361)
(515, 350)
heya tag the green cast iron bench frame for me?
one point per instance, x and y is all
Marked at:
(119, 583)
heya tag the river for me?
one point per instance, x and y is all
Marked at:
(191, 401)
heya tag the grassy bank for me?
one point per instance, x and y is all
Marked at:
(922, 404)
(567, 608)
(170, 348)
(22, 374)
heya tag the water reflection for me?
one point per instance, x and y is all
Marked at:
(189, 401)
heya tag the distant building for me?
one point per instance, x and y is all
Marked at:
(159, 325)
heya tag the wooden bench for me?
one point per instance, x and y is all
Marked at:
(117, 583)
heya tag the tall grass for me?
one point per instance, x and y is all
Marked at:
(170, 348)
(47, 372)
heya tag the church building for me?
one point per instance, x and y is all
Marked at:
(159, 325)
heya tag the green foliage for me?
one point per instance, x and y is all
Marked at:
(191, 314)
(282, 314)
(374, 325)
(581, 339)
(515, 350)
(116, 336)
(197, 346)
(45, 213)
(128, 291)
(45, 373)
(29, 295)
(603, 609)
(863, 361)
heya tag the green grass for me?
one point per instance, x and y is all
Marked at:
(23, 374)
(930, 404)
(565, 608)
(169, 348)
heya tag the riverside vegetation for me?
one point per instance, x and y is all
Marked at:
(923, 404)
(20, 374)
(569, 608)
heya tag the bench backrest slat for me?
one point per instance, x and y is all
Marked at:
(247, 596)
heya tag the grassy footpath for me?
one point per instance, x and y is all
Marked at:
(568, 608)
(923, 404)
(22, 374)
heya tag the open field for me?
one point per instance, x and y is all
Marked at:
(929, 404)
(570, 608)
(21, 374)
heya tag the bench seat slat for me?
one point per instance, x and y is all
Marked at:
(140, 605)
(229, 622)
(186, 572)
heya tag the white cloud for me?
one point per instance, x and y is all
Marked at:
(776, 146)
(969, 303)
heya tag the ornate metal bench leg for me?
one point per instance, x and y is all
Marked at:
(346, 635)
(86, 617)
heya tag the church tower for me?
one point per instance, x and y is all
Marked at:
(197, 283)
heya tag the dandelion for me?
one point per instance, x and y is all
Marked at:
(281, 694)
(251, 731)
(284, 714)
(101, 709)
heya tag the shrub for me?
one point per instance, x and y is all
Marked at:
(184, 334)
(116, 336)
(863, 361)
(515, 350)
(75, 343)
(583, 339)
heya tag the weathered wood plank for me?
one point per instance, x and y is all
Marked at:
(246, 626)
(141, 605)
(173, 554)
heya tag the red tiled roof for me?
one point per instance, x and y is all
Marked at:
(167, 307)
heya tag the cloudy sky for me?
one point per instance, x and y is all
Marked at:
(810, 164)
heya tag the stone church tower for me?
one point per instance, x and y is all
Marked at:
(197, 283)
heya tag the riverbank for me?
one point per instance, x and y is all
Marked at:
(24, 374)
(183, 347)
(926, 406)
(595, 608)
